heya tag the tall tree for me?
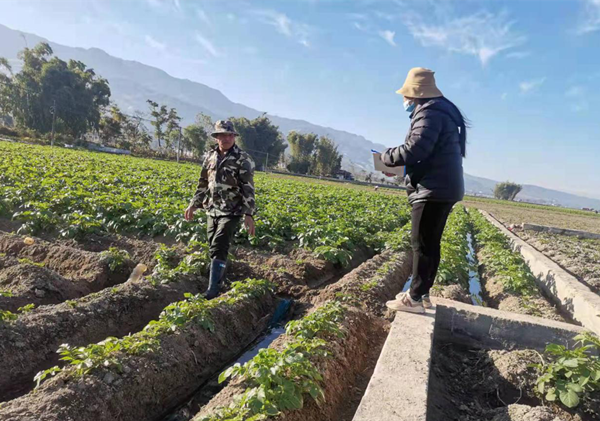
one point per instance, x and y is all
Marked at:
(261, 139)
(136, 132)
(195, 139)
(160, 116)
(173, 128)
(327, 159)
(507, 190)
(49, 92)
(111, 128)
(302, 147)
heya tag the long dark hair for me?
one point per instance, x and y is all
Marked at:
(463, 124)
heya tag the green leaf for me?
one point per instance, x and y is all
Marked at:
(551, 394)
(572, 363)
(569, 398)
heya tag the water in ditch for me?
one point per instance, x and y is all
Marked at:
(205, 393)
(474, 281)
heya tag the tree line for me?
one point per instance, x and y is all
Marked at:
(51, 98)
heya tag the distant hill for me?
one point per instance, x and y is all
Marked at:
(132, 83)
(536, 194)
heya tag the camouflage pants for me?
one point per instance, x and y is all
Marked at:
(220, 232)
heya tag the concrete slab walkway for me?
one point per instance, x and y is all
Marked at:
(398, 388)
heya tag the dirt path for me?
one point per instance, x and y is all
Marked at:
(580, 257)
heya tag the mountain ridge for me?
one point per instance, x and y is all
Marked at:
(133, 82)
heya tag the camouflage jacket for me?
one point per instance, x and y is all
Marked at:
(226, 185)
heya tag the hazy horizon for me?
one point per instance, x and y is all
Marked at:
(520, 72)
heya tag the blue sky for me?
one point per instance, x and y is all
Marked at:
(526, 73)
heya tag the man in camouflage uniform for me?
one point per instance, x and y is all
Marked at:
(226, 191)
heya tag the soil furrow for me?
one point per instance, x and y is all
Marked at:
(31, 284)
(354, 355)
(91, 269)
(29, 344)
(152, 383)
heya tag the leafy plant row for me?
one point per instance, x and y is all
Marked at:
(193, 309)
(454, 264)
(77, 193)
(280, 380)
(500, 260)
(571, 375)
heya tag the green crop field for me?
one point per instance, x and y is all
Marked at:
(75, 193)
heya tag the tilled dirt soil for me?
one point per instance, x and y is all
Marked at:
(152, 383)
(496, 295)
(487, 385)
(29, 343)
(31, 284)
(376, 281)
(579, 256)
(513, 213)
(349, 356)
(347, 372)
(71, 263)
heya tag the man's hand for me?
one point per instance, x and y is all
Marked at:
(189, 213)
(249, 224)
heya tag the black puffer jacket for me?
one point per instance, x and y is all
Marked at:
(431, 153)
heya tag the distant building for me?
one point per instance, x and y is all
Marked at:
(344, 175)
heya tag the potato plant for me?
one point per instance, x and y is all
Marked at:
(193, 309)
(281, 380)
(454, 265)
(76, 193)
(570, 375)
(501, 260)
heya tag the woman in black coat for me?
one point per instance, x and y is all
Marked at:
(432, 153)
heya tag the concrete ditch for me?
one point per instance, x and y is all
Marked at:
(408, 350)
(572, 296)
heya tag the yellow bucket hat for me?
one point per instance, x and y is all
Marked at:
(420, 83)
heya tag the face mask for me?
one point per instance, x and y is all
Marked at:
(409, 106)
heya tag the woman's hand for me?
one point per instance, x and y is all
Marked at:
(189, 213)
(249, 224)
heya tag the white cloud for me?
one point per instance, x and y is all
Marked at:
(575, 91)
(203, 16)
(157, 45)
(284, 25)
(531, 85)
(518, 54)
(162, 3)
(483, 34)
(360, 26)
(388, 36)
(504, 96)
(207, 44)
(591, 20)
(577, 97)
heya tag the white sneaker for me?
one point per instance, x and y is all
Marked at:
(426, 300)
(403, 302)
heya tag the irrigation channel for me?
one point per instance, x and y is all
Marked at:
(204, 393)
(179, 380)
(475, 293)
